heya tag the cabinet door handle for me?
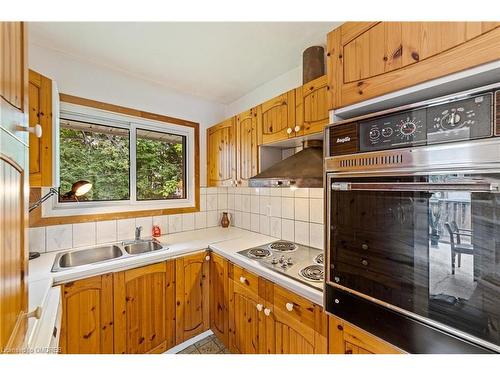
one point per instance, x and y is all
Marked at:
(267, 312)
(37, 313)
(289, 306)
(243, 280)
(297, 128)
(35, 130)
(207, 257)
(259, 306)
(289, 130)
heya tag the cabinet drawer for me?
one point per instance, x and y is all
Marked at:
(294, 306)
(245, 278)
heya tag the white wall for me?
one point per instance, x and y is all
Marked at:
(88, 80)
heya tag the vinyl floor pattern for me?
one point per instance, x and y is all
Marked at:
(208, 345)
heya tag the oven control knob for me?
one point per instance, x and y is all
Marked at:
(364, 262)
(336, 301)
(374, 134)
(274, 261)
(289, 261)
(337, 279)
(364, 246)
(387, 132)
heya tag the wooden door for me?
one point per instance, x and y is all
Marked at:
(278, 118)
(87, 316)
(312, 106)
(219, 297)
(144, 301)
(40, 112)
(192, 293)
(221, 154)
(369, 59)
(345, 338)
(13, 187)
(247, 128)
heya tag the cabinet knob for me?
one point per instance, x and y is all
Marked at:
(289, 131)
(296, 129)
(207, 257)
(364, 246)
(267, 312)
(289, 306)
(364, 262)
(35, 130)
(37, 313)
(243, 280)
(259, 306)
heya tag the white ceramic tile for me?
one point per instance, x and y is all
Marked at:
(255, 225)
(212, 202)
(237, 202)
(203, 190)
(203, 202)
(84, 234)
(276, 206)
(287, 230)
(254, 204)
(245, 203)
(301, 209)
(264, 191)
(200, 220)
(230, 202)
(106, 231)
(302, 193)
(212, 190)
(316, 193)
(276, 192)
(162, 222)
(147, 225)
(246, 190)
(287, 192)
(316, 210)
(237, 219)
(264, 225)
(222, 201)
(254, 191)
(222, 190)
(212, 219)
(175, 223)
(275, 227)
(187, 222)
(59, 237)
(246, 221)
(316, 233)
(265, 205)
(287, 208)
(125, 229)
(231, 190)
(37, 239)
(302, 232)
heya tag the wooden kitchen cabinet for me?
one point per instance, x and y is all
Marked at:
(278, 118)
(312, 106)
(192, 295)
(88, 317)
(248, 126)
(219, 297)
(344, 338)
(13, 63)
(221, 154)
(369, 59)
(144, 309)
(40, 112)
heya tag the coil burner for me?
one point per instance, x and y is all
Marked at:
(319, 259)
(313, 273)
(259, 253)
(283, 246)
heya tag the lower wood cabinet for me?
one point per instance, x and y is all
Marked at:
(219, 297)
(345, 338)
(192, 294)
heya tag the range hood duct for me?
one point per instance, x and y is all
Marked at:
(303, 169)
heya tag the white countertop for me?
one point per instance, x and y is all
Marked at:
(224, 241)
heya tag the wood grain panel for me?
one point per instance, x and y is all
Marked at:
(278, 115)
(221, 154)
(312, 106)
(13, 60)
(219, 297)
(247, 160)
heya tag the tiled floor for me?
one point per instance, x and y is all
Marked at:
(208, 345)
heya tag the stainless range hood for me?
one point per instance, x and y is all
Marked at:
(303, 169)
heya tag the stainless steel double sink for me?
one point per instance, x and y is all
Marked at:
(105, 253)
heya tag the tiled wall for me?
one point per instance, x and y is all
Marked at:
(295, 215)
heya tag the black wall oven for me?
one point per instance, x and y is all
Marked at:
(413, 216)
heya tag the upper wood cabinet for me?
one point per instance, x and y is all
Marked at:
(312, 106)
(219, 297)
(221, 154)
(40, 112)
(248, 126)
(278, 118)
(144, 304)
(13, 185)
(368, 59)
(345, 338)
(87, 319)
(192, 294)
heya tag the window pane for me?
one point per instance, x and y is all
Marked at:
(160, 165)
(96, 153)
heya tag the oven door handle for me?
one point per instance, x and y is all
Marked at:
(416, 186)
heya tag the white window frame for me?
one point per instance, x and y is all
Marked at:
(88, 114)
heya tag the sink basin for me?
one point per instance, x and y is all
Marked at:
(142, 246)
(86, 256)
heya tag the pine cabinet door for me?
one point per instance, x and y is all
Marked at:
(278, 118)
(13, 63)
(312, 106)
(219, 298)
(87, 320)
(221, 154)
(144, 300)
(247, 128)
(192, 294)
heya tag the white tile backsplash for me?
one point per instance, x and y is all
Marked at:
(301, 209)
(264, 225)
(125, 229)
(147, 225)
(275, 227)
(316, 233)
(287, 208)
(221, 201)
(212, 202)
(84, 234)
(187, 222)
(276, 205)
(200, 220)
(316, 210)
(37, 239)
(288, 230)
(302, 232)
(264, 204)
(106, 231)
(255, 204)
(59, 237)
(162, 222)
(212, 219)
(175, 223)
(255, 222)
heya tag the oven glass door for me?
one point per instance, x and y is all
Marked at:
(427, 245)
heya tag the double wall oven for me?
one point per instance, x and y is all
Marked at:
(413, 218)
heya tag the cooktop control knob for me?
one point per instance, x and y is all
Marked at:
(274, 261)
(289, 261)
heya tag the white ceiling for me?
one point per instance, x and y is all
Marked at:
(218, 61)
